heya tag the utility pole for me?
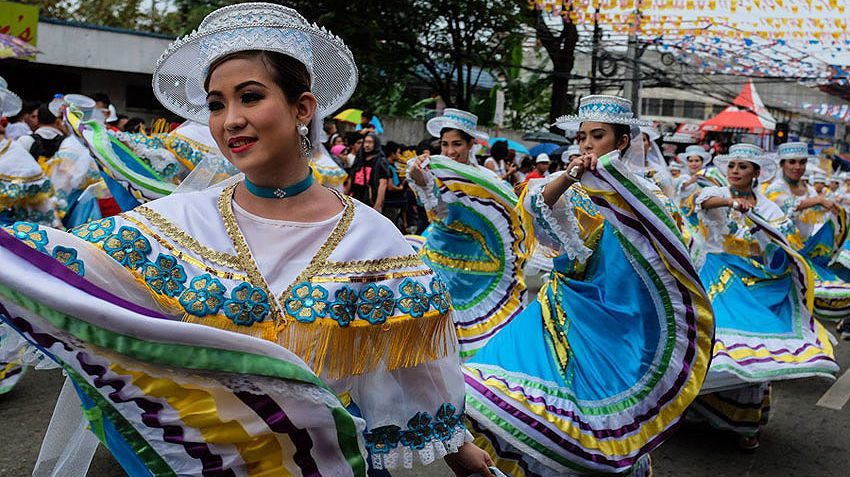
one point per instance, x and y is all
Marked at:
(595, 55)
(631, 88)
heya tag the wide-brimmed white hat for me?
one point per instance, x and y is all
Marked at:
(573, 150)
(675, 166)
(694, 150)
(751, 153)
(178, 80)
(456, 119)
(651, 132)
(792, 150)
(10, 103)
(542, 158)
(604, 109)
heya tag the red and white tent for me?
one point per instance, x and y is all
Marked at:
(746, 114)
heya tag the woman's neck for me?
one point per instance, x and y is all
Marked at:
(741, 191)
(791, 182)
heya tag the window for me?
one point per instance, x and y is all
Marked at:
(693, 110)
(651, 107)
(668, 107)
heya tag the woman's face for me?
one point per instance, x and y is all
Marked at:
(793, 168)
(368, 145)
(694, 164)
(337, 140)
(646, 143)
(598, 138)
(251, 120)
(741, 174)
(455, 147)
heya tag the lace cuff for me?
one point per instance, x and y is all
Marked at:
(427, 194)
(568, 241)
(425, 437)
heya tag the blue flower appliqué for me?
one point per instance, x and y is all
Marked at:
(247, 305)
(68, 257)
(381, 440)
(440, 296)
(30, 234)
(307, 302)
(165, 275)
(96, 230)
(377, 303)
(344, 308)
(414, 298)
(128, 247)
(445, 422)
(419, 431)
(205, 296)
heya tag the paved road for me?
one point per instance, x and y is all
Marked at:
(800, 440)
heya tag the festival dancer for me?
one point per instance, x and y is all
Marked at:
(752, 265)
(476, 242)
(597, 371)
(242, 317)
(686, 184)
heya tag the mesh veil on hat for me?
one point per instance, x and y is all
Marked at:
(10, 103)
(178, 80)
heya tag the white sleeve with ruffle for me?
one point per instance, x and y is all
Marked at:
(714, 220)
(412, 414)
(555, 227)
(429, 194)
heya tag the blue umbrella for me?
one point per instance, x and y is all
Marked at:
(546, 147)
(519, 148)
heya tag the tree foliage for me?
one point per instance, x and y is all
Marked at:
(560, 46)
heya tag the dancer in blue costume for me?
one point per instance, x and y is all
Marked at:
(597, 371)
(476, 242)
(752, 266)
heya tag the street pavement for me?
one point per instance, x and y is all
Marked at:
(801, 439)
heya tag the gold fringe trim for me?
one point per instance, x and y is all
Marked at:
(168, 304)
(402, 342)
(335, 352)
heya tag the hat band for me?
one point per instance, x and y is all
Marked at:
(604, 108)
(469, 122)
(286, 41)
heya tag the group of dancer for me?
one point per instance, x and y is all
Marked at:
(242, 316)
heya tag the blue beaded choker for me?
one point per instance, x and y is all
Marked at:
(280, 192)
(740, 194)
(789, 181)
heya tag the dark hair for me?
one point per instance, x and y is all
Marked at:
(289, 74)
(134, 125)
(391, 147)
(424, 145)
(499, 151)
(526, 162)
(102, 98)
(45, 116)
(122, 116)
(619, 131)
(367, 113)
(353, 137)
(463, 134)
(28, 107)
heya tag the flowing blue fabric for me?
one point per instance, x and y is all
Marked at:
(611, 341)
(766, 307)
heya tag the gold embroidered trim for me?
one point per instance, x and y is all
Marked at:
(187, 241)
(370, 278)
(320, 259)
(183, 256)
(245, 258)
(370, 266)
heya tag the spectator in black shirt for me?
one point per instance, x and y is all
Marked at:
(370, 173)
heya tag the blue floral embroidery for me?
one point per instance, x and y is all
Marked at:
(419, 431)
(414, 298)
(205, 296)
(128, 247)
(96, 230)
(440, 296)
(68, 257)
(307, 302)
(377, 303)
(382, 440)
(165, 275)
(344, 308)
(247, 305)
(30, 234)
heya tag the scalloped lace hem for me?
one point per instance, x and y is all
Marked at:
(570, 240)
(403, 456)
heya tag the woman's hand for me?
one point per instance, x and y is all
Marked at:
(416, 172)
(829, 205)
(691, 180)
(740, 205)
(470, 459)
